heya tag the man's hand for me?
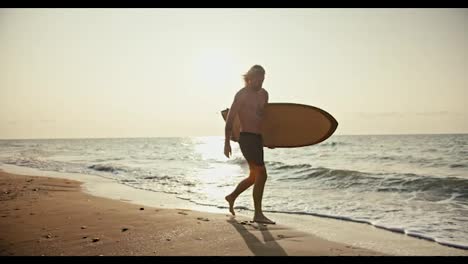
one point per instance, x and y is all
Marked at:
(227, 149)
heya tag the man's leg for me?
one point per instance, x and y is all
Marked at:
(241, 187)
(260, 180)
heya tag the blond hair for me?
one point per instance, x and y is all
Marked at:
(254, 70)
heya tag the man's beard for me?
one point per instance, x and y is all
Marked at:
(256, 87)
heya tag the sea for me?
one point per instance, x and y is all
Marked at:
(411, 184)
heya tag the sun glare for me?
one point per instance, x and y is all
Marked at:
(210, 148)
(215, 67)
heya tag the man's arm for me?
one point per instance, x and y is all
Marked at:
(233, 111)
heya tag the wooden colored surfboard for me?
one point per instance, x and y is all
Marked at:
(289, 125)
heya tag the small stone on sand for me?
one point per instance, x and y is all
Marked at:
(142, 208)
(124, 229)
(83, 227)
(96, 239)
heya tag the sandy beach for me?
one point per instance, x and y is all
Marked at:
(49, 216)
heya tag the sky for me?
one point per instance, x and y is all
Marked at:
(96, 73)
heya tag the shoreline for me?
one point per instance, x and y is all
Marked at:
(355, 235)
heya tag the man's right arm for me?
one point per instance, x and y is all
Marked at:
(233, 111)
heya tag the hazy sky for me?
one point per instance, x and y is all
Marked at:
(169, 72)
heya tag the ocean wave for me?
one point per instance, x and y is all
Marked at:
(8, 144)
(458, 166)
(30, 162)
(333, 144)
(298, 166)
(274, 164)
(157, 178)
(44, 164)
(128, 180)
(108, 159)
(387, 158)
(237, 160)
(35, 152)
(380, 182)
(435, 185)
(107, 168)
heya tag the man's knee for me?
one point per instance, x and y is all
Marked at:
(260, 172)
(256, 167)
(253, 172)
(261, 169)
(252, 176)
(256, 171)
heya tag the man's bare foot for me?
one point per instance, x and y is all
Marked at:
(263, 220)
(230, 200)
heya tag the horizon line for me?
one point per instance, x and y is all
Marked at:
(136, 137)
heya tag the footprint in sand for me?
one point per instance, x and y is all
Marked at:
(203, 219)
(249, 223)
(182, 213)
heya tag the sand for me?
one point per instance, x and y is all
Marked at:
(54, 217)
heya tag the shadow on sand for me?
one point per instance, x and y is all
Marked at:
(269, 246)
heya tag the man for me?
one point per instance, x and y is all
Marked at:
(248, 104)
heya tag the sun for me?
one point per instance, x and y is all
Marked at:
(215, 67)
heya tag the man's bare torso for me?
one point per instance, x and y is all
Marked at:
(252, 109)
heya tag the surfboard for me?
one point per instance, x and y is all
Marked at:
(290, 125)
